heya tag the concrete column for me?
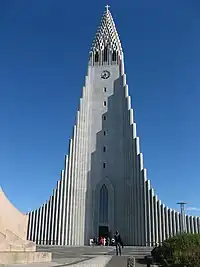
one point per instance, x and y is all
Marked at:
(36, 226)
(198, 224)
(46, 223)
(159, 222)
(43, 223)
(162, 207)
(76, 170)
(148, 214)
(128, 183)
(166, 222)
(180, 227)
(53, 217)
(188, 224)
(60, 230)
(170, 222)
(195, 225)
(39, 226)
(125, 102)
(29, 226)
(143, 201)
(71, 221)
(33, 229)
(88, 114)
(57, 212)
(42, 226)
(138, 208)
(191, 225)
(135, 192)
(82, 119)
(49, 221)
(177, 220)
(52, 221)
(153, 239)
(68, 195)
(155, 199)
(173, 223)
(86, 167)
(64, 241)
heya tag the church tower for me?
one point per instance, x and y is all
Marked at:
(104, 186)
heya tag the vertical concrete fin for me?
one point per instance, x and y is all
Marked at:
(137, 145)
(131, 118)
(134, 131)
(126, 94)
(29, 226)
(39, 226)
(141, 162)
(145, 175)
(60, 220)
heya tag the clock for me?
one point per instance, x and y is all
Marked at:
(105, 74)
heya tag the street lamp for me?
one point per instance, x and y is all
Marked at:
(182, 226)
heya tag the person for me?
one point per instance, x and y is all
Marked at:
(101, 240)
(94, 241)
(118, 243)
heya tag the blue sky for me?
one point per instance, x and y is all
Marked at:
(43, 60)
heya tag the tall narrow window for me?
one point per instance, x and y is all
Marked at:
(104, 149)
(105, 54)
(103, 205)
(104, 89)
(96, 57)
(104, 165)
(114, 56)
(104, 117)
(104, 103)
(104, 133)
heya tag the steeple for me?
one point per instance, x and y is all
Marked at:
(106, 39)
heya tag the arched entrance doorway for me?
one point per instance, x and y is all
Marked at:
(103, 208)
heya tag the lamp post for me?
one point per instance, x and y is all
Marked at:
(182, 207)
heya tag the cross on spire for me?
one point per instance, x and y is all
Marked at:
(107, 8)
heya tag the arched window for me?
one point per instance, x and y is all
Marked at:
(114, 56)
(103, 207)
(105, 54)
(96, 57)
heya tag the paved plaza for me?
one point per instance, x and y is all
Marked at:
(63, 256)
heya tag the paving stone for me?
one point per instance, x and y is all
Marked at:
(118, 261)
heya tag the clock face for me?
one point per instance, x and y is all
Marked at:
(105, 74)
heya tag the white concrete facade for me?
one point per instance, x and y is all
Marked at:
(104, 184)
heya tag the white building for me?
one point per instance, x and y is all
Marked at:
(104, 185)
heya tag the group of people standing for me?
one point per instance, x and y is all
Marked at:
(106, 241)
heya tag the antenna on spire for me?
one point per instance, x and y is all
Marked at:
(107, 8)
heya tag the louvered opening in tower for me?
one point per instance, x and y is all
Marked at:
(105, 54)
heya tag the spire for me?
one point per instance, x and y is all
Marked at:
(106, 35)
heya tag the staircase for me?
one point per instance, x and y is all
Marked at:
(137, 252)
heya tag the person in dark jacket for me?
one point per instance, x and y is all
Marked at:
(118, 243)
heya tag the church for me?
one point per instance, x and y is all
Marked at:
(104, 186)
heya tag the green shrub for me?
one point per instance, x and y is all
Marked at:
(180, 250)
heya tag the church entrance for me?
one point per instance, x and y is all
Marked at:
(103, 231)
